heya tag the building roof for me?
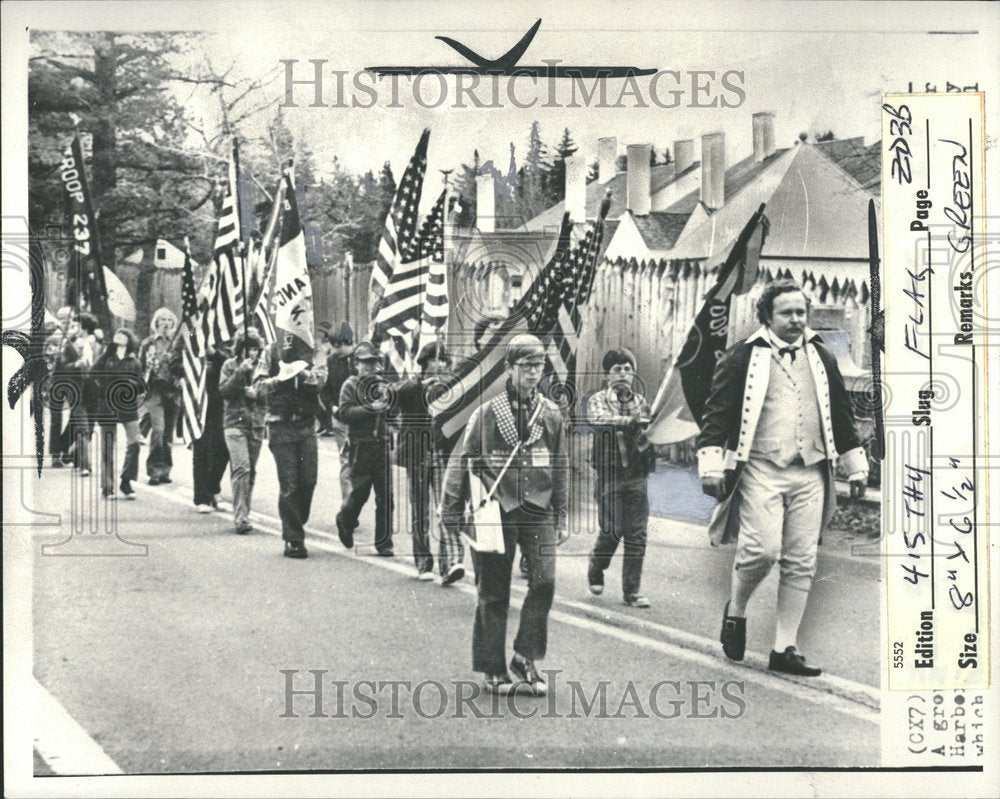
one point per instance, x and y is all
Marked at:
(660, 229)
(864, 164)
(660, 176)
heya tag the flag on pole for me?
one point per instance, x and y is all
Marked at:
(262, 270)
(225, 287)
(680, 401)
(548, 310)
(86, 283)
(194, 396)
(401, 222)
(293, 311)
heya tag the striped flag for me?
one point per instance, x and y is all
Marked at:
(548, 310)
(226, 292)
(401, 222)
(680, 401)
(193, 394)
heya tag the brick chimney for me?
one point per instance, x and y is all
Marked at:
(763, 135)
(713, 170)
(683, 155)
(485, 204)
(638, 186)
(576, 187)
(607, 157)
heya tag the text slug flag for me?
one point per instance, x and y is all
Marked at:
(680, 401)
(292, 297)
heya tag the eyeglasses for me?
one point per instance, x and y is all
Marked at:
(530, 366)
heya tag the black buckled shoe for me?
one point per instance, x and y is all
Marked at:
(734, 635)
(791, 662)
(296, 549)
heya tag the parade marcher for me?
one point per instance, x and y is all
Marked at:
(339, 368)
(532, 494)
(423, 451)
(777, 418)
(291, 388)
(56, 391)
(120, 392)
(209, 456)
(161, 394)
(324, 349)
(243, 423)
(80, 352)
(364, 404)
(622, 458)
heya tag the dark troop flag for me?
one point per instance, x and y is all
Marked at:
(548, 310)
(194, 396)
(86, 279)
(680, 400)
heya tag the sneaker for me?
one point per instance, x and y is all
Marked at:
(296, 549)
(85, 472)
(215, 501)
(155, 481)
(636, 601)
(125, 486)
(498, 683)
(595, 579)
(524, 672)
(791, 662)
(454, 574)
(425, 577)
(203, 508)
(109, 494)
(244, 529)
(56, 463)
(388, 552)
(166, 480)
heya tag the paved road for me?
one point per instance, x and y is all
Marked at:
(171, 661)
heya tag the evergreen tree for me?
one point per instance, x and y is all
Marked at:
(556, 176)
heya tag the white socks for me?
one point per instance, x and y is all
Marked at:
(740, 590)
(791, 607)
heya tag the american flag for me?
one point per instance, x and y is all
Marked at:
(548, 310)
(226, 298)
(401, 222)
(193, 393)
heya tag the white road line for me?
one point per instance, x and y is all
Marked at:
(62, 743)
(840, 694)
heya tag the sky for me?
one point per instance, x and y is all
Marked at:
(825, 77)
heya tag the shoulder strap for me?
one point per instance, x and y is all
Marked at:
(513, 452)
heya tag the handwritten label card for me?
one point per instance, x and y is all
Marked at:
(934, 277)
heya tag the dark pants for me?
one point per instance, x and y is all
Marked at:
(209, 458)
(130, 468)
(293, 445)
(419, 486)
(81, 428)
(369, 469)
(623, 514)
(59, 440)
(535, 533)
(162, 408)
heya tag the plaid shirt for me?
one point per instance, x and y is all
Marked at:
(613, 410)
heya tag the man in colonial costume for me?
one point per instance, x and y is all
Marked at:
(777, 420)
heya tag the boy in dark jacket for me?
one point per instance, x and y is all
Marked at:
(120, 391)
